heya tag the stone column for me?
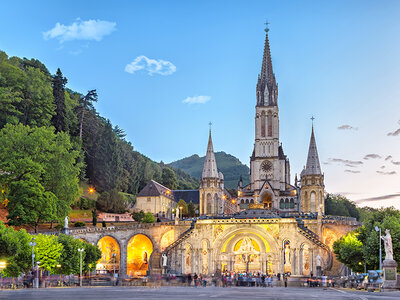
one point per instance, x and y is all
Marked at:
(123, 259)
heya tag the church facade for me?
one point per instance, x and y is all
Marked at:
(273, 226)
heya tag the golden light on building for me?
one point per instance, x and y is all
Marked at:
(108, 246)
(139, 251)
(233, 201)
(224, 197)
(168, 192)
(3, 264)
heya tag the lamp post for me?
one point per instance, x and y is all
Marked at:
(180, 209)
(380, 246)
(80, 265)
(33, 244)
(59, 269)
(36, 282)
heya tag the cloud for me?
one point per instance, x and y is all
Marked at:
(347, 127)
(386, 173)
(388, 157)
(397, 163)
(90, 30)
(152, 66)
(379, 198)
(372, 156)
(346, 162)
(394, 133)
(382, 167)
(352, 171)
(197, 99)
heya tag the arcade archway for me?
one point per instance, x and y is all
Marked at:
(110, 256)
(267, 200)
(139, 250)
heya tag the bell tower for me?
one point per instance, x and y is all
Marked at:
(267, 161)
(312, 181)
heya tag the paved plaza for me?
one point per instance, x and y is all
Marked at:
(119, 293)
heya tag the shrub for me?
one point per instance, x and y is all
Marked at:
(148, 218)
(112, 202)
(104, 224)
(79, 224)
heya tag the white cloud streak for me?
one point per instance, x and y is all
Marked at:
(197, 100)
(90, 30)
(152, 66)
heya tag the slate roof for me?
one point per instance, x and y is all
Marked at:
(312, 167)
(187, 195)
(154, 189)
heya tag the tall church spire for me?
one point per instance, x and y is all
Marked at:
(312, 167)
(210, 165)
(267, 89)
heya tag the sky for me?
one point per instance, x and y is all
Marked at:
(165, 69)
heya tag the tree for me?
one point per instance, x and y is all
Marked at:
(30, 204)
(69, 258)
(148, 218)
(348, 250)
(168, 178)
(362, 244)
(138, 216)
(112, 202)
(183, 207)
(191, 209)
(48, 251)
(86, 104)
(107, 166)
(94, 217)
(59, 82)
(338, 205)
(92, 255)
(40, 156)
(15, 249)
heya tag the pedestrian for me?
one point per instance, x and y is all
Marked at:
(189, 278)
(285, 279)
(279, 276)
(195, 279)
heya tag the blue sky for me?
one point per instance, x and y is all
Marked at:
(336, 60)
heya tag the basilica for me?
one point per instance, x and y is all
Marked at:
(271, 226)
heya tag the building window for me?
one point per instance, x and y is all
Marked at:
(291, 203)
(262, 124)
(287, 203)
(149, 199)
(281, 204)
(269, 124)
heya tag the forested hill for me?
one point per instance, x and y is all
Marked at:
(228, 164)
(31, 96)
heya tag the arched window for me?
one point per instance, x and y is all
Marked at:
(208, 204)
(281, 204)
(313, 201)
(247, 201)
(291, 203)
(251, 201)
(269, 124)
(242, 201)
(262, 124)
(287, 203)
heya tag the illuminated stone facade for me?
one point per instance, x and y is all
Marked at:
(281, 228)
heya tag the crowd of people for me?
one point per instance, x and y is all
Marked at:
(228, 279)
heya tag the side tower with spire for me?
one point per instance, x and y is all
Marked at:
(211, 185)
(312, 181)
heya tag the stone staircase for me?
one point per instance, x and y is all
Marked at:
(182, 237)
(313, 237)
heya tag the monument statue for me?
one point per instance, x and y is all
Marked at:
(177, 213)
(164, 258)
(66, 222)
(318, 260)
(388, 245)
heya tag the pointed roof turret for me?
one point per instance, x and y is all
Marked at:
(267, 89)
(312, 167)
(210, 165)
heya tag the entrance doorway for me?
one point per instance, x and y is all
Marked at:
(267, 200)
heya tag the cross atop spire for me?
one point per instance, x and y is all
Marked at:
(266, 26)
(209, 124)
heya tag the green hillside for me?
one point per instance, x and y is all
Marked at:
(229, 165)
